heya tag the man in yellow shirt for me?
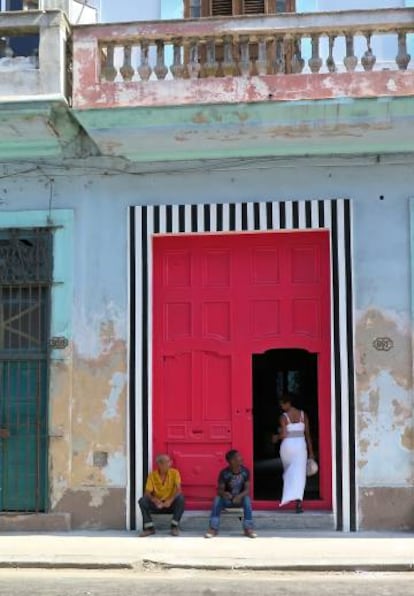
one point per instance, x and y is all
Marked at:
(162, 495)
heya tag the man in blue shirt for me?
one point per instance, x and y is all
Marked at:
(232, 491)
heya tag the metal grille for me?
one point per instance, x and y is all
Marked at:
(221, 7)
(253, 7)
(25, 282)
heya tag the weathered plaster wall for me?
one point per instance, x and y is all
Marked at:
(89, 392)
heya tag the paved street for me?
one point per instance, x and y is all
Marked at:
(128, 583)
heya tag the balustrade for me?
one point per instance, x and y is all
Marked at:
(271, 45)
(45, 71)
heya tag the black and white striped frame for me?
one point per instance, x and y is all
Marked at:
(334, 215)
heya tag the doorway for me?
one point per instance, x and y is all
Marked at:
(25, 285)
(217, 300)
(274, 373)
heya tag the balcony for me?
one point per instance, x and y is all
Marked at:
(264, 86)
(42, 75)
(34, 85)
(244, 59)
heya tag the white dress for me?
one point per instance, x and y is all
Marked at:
(293, 454)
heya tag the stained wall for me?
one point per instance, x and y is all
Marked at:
(89, 382)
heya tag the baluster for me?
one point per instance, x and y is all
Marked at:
(297, 61)
(261, 62)
(330, 61)
(368, 59)
(126, 70)
(177, 68)
(244, 62)
(210, 67)
(350, 59)
(160, 69)
(193, 66)
(315, 62)
(229, 67)
(144, 70)
(109, 71)
(403, 57)
(34, 58)
(5, 49)
(279, 65)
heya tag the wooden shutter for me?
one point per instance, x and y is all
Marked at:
(221, 8)
(253, 7)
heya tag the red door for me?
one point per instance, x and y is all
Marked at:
(219, 299)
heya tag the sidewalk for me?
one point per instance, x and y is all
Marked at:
(316, 551)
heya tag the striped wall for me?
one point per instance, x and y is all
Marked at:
(333, 215)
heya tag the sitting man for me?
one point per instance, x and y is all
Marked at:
(233, 491)
(162, 495)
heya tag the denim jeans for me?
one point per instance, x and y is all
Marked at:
(221, 503)
(147, 507)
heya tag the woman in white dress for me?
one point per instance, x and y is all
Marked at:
(295, 450)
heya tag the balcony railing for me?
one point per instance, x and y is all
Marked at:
(281, 56)
(34, 56)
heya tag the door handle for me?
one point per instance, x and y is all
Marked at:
(4, 433)
(197, 431)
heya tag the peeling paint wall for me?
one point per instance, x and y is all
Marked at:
(88, 444)
(384, 382)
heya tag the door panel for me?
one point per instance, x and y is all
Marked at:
(23, 414)
(25, 280)
(217, 300)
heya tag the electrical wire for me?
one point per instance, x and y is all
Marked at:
(66, 170)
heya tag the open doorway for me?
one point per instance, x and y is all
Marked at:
(274, 373)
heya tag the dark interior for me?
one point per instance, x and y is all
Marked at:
(274, 373)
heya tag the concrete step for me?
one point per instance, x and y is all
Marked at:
(197, 521)
(35, 522)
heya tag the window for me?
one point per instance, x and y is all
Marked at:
(223, 8)
(253, 7)
(195, 9)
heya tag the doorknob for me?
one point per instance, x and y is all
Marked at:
(4, 433)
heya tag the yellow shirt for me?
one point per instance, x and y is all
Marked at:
(163, 490)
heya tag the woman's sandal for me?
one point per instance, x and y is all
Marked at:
(299, 508)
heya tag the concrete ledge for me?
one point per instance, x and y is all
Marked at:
(197, 521)
(35, 522)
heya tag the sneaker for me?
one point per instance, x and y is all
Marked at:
(147, 532)
(250, 533)
(175, 531)
(211, 533)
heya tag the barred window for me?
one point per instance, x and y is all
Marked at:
(253, 7)
(221, 8)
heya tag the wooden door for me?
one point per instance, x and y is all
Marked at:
(219, 299)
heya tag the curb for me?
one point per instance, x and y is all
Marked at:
(65, 565)
(148, 564)
(306, 567)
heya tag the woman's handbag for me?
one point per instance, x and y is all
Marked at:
(311, 467)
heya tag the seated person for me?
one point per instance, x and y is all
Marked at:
(162, 495)
(233, 491)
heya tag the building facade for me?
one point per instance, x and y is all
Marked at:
(196, 216)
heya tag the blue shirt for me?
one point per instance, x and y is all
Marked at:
(234, 483)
